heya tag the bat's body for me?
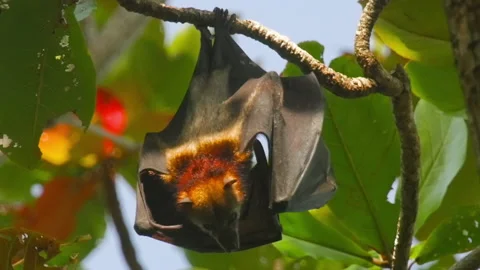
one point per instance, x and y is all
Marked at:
(244, 146)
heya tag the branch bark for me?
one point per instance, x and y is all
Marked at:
(410, 146)
(464, 23)
(398, 86)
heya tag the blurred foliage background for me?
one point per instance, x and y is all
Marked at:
(60, 73)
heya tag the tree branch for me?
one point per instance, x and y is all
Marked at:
(108, 179)
(336, 82)
(367, 60)
(398, 86)
(410, 146)
(463, 20)
(471, 261)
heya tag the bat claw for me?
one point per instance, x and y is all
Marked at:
(223, 20)
(221, 15)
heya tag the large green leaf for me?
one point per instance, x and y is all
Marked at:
(365, 151)
(298, 248)
(443, 141)
(459, 233)
(405, 28)
(315, 238)
(264, 257)
(462, 191)
(45, 72)
(437, 85)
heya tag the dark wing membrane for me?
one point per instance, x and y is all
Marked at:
(302, 177)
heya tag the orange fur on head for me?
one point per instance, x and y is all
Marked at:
(200, 168)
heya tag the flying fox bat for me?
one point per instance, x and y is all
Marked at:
(243, 147)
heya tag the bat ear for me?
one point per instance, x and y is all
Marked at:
(261, 149)
(229, 182)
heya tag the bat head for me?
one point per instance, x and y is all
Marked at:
(215, 209)
(210, 175)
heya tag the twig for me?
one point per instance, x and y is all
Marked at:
(336, 82)
(390, 86)
(410, 145)
(108, 179)
(471, 261)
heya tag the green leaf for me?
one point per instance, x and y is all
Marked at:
(159, 75)
(365, 150)
(15, 183)
(45, 72)
(139, 67)
(313, 48)
(183, 54)
(442, 264)
(319, 236)
(264, 257)
(438, 85)
(463, 191)
(129, 171)
(443, 142)
(404, 27)
(298, 248)
(105, 9)
(459, 233)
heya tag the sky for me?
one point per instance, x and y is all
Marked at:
(332, 23)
